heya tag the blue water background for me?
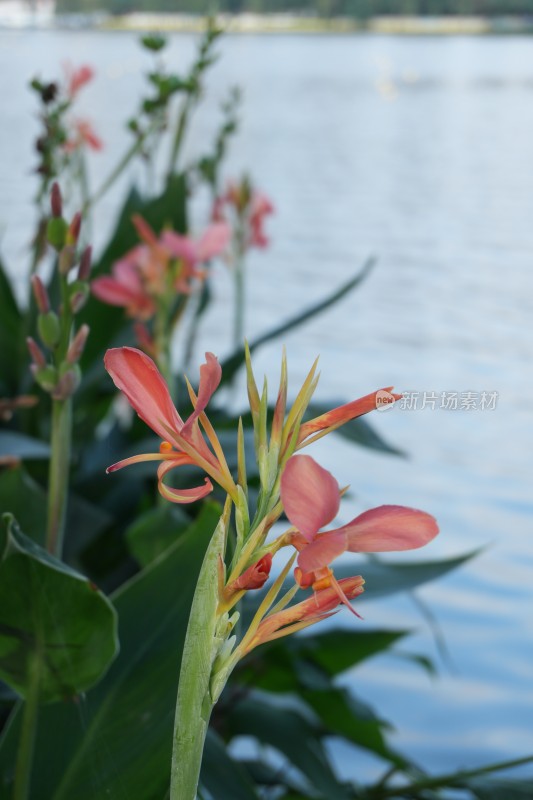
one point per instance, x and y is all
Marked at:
(419, 151)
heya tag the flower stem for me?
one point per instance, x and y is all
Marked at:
(238, 320)
(194, 702)
(27, 734)
(58, 474)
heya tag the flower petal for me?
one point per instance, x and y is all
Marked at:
(179, 246)
(181, 495)
(210, 375)
(322, 551)
(310, 495)
(213, 241)
(340, 415)
(136, 375)
(389, 528)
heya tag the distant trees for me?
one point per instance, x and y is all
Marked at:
(359, 9)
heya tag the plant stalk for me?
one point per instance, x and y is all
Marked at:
(58, 474)
(194, 702)
(26, 747)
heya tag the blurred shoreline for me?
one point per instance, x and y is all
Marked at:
(20, 14)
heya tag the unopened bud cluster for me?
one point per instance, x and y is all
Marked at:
(59, 374)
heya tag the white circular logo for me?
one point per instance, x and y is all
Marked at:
(384, 400)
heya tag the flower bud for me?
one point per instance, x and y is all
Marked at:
(84, 270)
(40, 294)
(74, 228)
(46, 377)
(49, 328)
(67, 259)
(36, 353)
(69, 380)
(79, 293)
(77, 345)
(56, 232)
(56, 200)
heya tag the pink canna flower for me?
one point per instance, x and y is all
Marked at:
(77, 77)
(311, 499)
(250, 207)
(124, 287)
(138, 378)
(159, 266)
(260, 207)
(192, 252)
(83, 135)
(314, 609)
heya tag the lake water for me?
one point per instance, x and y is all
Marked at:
(419, 151)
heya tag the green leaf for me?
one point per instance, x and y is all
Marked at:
(222, 776)
(311, 661)
(59, 617)
(382, 579)
(350, 719)
(155, 531)
(293, 734)
(122, 747)
(499, 788)
(10, 337)
(13, 443)
(232, 364)
(339, 649)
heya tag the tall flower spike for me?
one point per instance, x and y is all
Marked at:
(138, 378)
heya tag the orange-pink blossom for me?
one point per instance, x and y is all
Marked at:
(168, 263)
(311, 499)
(138, 378)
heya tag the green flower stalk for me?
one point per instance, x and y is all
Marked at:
(59, 373)
(290, 483)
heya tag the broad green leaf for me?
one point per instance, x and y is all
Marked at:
(232, 364)
(13, 443)
(23, 497)
(50, 612)
(344, 716)
(222, 776)
(155, 531)
(291, 733)
(340, 649)
(384, 578)
(500, 788)
(118, 744)
(11, 338)
(311, 661)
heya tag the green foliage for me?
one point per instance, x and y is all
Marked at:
(61, 620)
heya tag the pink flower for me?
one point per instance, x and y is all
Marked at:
(83, 135)
(168, 263)
(138, 378)
(77, 77)
(311, 499)
(124, 287)
(321, 605)
(250, 208)
(192, 252)
(260, 207)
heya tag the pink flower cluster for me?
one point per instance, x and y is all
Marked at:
(164, 264)
(250, 207)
